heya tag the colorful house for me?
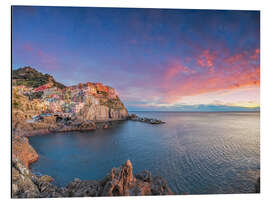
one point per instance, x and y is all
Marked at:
(42, 88)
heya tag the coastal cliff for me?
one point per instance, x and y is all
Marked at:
(34, 93)
(40, 105)
(118, 182)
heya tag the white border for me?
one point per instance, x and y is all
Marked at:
(206, 4)
(195, 4)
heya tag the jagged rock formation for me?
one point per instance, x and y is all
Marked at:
(119, 182)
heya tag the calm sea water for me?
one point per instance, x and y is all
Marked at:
(197, 153)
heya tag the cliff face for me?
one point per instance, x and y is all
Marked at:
(102, 109)
(35, 93)
(22, 150)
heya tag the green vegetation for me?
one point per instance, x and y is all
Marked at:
(35, 95)
(31, 78)
(15, 104)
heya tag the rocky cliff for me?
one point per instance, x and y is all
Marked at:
(119, 182)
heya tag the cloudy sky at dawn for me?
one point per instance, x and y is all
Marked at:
(177, 60)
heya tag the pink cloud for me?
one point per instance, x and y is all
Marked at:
(205, 73)
(230, 73)
(176, 69)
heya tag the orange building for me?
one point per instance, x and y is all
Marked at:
(101, 88)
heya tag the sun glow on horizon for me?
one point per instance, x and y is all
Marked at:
(245, 97)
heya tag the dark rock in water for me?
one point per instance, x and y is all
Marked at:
(46, 189)
(119, 182)
(145, 176)
(159, 186)
(134, 117)
(78, 188)
(257, 186)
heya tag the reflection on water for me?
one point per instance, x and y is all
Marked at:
(198, 153)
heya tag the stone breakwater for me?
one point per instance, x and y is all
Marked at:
(118, 182)
(134, 117)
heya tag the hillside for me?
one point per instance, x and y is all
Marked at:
(32, 78)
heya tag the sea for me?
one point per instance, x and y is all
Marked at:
(196, 152)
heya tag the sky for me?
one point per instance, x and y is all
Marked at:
(156, 59)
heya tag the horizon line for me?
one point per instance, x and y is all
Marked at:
(190, 111)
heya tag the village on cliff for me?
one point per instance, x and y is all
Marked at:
(67, 101)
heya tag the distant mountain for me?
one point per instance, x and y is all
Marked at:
(32, 78)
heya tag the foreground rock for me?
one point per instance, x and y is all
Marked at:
(134, 117)
(119, 182)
